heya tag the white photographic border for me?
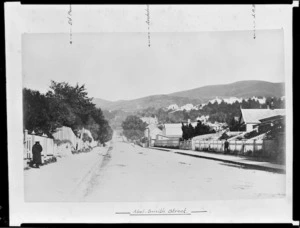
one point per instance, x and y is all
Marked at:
(20, 19)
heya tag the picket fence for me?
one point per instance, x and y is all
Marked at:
(237, 146)
(168, 143)
(262, 148)
(48, 145)
(50, 148)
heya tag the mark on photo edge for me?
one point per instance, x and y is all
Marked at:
(253, 15)
(148, 23)
(70, 21)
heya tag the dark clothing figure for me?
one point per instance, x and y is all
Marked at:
(226, 147)
(36, 154)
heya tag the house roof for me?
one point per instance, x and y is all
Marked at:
(255, 115)
(172, 125)
(153, 127)
(272, 118)
(173, 129)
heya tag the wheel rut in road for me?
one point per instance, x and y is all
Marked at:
(98, 172)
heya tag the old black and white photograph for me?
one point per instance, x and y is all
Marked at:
(193, 117)
(154, 116)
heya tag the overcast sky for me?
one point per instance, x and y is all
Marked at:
(116, 66)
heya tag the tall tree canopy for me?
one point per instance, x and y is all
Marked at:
(218, 112)
(36, 111)
(188, 131)
(64, 105)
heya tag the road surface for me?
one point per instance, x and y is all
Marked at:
(133, 173)
(124, 172)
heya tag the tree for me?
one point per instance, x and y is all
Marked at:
(191, 131)
(72, 103)
(234, 125)
(35, 112)
(105, 132)
(188, 131)
(64, 105)
(202, 129)
(185, 134)
(93, 127)
(133, 127)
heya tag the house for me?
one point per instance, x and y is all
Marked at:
(65, 133)
(172, 130)
(269, 122)
(253, 117)
(151, 132)
(217, 126)
(173, 107)
(187, 107)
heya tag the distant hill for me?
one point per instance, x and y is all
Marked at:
(101, 102)
(241, 89)
(156, 101)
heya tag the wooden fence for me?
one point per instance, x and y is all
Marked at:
(185, 145)
(48, 145)
(257, 148)
(50, 148)
(235, 146)
(168, 143)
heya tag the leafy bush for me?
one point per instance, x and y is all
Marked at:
(257, 153)
(248, 153)
(251, 134)
(133, 127)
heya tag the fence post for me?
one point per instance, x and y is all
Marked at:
(263, 149)
(235, 145)
(243, 147)
(253, 152)
(25, 143)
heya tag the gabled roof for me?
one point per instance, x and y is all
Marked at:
(172, 125)
(255, 115)
(173, 129)
(153, 127)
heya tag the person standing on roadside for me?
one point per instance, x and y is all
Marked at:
(37, 154)
(226, 147)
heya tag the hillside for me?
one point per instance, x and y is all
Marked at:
(156, 101)
(241, 89)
